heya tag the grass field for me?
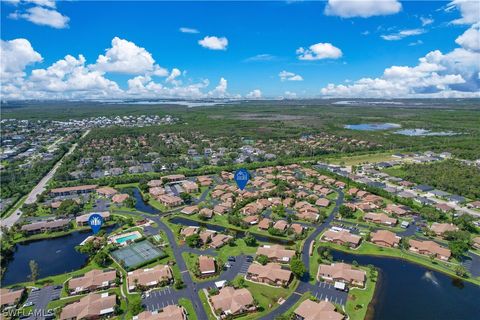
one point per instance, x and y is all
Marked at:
(359, 298)
(360, 159)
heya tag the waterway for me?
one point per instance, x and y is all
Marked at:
(141, 205)
(410, 291)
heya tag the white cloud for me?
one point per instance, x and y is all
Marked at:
(319, 51)
(403, 34)
(426, 21)
(361, 8)
(415, 43)
(173, 75)
(15, 56)
(469, 10)
(188, 30)
(220, 90)
(289, 95)
(42, 16)
(43, 3)
(214, 43)
(290, 76)
(261, 57)
(254, 94)
(126, 57)
(470, 39)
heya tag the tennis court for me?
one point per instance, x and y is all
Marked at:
(137, 254)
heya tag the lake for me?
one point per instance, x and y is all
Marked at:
(54, 256)
(372, 126)
(239, 234)
(410, 291)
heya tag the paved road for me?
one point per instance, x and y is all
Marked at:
(39, 188)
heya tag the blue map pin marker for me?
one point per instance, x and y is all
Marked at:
(95, 221)
(241, 178)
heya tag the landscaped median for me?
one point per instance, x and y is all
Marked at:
(367, 248)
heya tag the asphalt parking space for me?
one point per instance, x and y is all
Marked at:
(244, 267)
(159, 299)
(326, 291)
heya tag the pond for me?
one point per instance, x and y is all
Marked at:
(424, 132)
(410, 291)
(239, 234)
(372, 126)
(140, 205)
(53, 256)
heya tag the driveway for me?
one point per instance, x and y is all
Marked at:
(41, 299)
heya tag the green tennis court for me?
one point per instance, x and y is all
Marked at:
(137, 254)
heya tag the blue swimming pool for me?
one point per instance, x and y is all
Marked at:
(127, 238)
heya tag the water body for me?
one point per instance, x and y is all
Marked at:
(410, 291)
(54, 256)
(239, 234)
(372, 126)
(424, 132)
(141, 205)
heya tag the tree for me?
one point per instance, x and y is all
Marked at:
(186, 197)
(69, 207)
(461, 271)
(346, 212)
(458, 248)
(102, 259)
(262, 259)
(250, 240)
(193, 240)
(297, 267)
(179, 284)
(33, 270)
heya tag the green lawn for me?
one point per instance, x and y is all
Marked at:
(305, 296)
(239, 249)
(188, 305)
(359, 298)
(266, 296)
(206, 305)
(355, 160)
(191, 260)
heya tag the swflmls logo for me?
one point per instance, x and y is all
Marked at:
(95, 221)
(241, 178)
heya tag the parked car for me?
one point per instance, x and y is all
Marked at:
(249, 259)
(231, 259)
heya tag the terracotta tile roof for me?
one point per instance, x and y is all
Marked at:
(93, 305)
(341, 271)
(324, 310)
(276, 252)
(231, 300)
(206, 264)
(271, 271)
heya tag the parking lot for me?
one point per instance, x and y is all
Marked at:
(326, 291)
(39, 299)
(159, 299)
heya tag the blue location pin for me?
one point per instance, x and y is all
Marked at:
(95, 221)
(241, 178)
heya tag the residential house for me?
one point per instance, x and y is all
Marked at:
(219, 240)
(189, 186)
(170, 201)
(231, 301)
(251, 220)
(380, 218)
(83, 219)
(297, 228)
(107, 192)
(264, 224)
(281, 225)
(149, 277)
(311, 310)
(276, 253)
(120, 198)
(323, 202)
(189, 210)
(170, 312)
(91, 281)
(271, 273)
(342, 237)
(173, 178)
(385, 238)
(430, 248)
(10, 297)
(440, 228)
(68, 191)
(444, 207)
(92, 306)
(46, 226)
(206, 212)
(206, 265)
(341, 272)
(188, 231)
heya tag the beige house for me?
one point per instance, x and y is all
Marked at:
(440, 228)
(430, 248)
(150, 277)
(341, 272)
(380, 218)
(276, 253)
(92, 280)
(233, 301)
(311, 310)
(171, 312)
(170, 201)
(385, 238)
(83, 219)
(206, 265)
(10, 297)
(342, 237)
(92, 306)
(271, 273)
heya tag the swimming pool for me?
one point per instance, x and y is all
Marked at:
(126, 238)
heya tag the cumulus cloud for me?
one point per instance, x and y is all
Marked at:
(126, 57)
(43, 3)
(319, 51)
(254, 94)
(173, 75)
(289, 76)
(15, 56)
(220, 90)
(469, 10)
(188, 30)
(470, 39)
(42, 16)
(403, 34)
(214, 43)
(289, 95)
(362, 8)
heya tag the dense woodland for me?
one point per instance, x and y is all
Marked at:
(450, 175)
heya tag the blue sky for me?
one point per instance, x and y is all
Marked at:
(263, 41)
